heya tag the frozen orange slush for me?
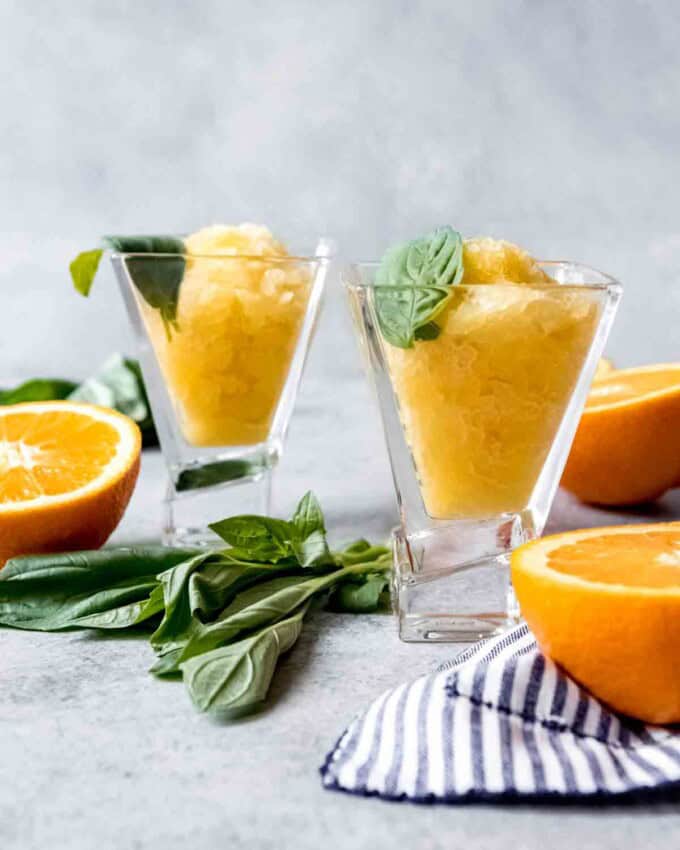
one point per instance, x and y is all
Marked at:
(242, 303)
(481, 404)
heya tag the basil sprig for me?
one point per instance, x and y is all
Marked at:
(220, 620)
(412, 286)
(157, 277)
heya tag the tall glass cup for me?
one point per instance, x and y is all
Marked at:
(222, 341)
(478, 421)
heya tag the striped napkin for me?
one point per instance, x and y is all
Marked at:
(500, 721)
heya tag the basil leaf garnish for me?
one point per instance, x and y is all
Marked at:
(157, 278)
(84, 268)
(412, 285)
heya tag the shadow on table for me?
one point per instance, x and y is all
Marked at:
(568, 513)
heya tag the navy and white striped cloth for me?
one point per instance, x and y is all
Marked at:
(500, 721)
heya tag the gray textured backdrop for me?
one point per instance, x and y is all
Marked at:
(555, 124)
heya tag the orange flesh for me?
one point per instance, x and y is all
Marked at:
(31, 463)
(633, 560)
(604, 604)
(622, 387)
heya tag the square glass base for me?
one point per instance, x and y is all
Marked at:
(187, 515)
(465, 603)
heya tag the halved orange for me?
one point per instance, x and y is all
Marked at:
(605, 605)
(67, 472)
(627, 446)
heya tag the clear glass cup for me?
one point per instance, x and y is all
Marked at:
(478, 423)
(222, 343)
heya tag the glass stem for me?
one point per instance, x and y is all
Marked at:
(187, 516)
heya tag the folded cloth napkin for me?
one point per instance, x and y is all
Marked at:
(500, 721)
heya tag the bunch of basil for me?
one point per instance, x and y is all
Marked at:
(218, 619)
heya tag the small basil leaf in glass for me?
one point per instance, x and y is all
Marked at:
(412, 285)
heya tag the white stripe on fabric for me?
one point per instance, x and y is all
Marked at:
(657, 755)
(553, 772)
(364, 737)
(436, 738)
(392, 776)
(375, 780)
(491, 733)
(413, 754)
(462, 757)
(611, 779)
(406, 777)
(363, 768)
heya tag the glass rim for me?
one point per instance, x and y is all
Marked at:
(273, 258)
(607, 282)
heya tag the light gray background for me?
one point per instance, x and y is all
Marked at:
(554, 124)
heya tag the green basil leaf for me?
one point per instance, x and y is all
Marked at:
(252, 609)
(84, 268)
(233, 680)
(54, 592)
(167, 663)
(402, 311)
(429, 331)
(259, 538)
(361, 597)
(178, 619)
(87, 569)
(218, 581)
(38, 389)
(412, 285)
(363, 552)
(195, 593)
(357, 547)
(116, 606)
(308, 516)
(122, 616)
(157, 277)
(115, 385)
(313, 550)
(146, 424)
(155, 604)
(264, 604)
(214, 473)
(309, 533)
(432, 260)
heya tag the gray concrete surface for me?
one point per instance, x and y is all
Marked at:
(96, 753)
(553, 124)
